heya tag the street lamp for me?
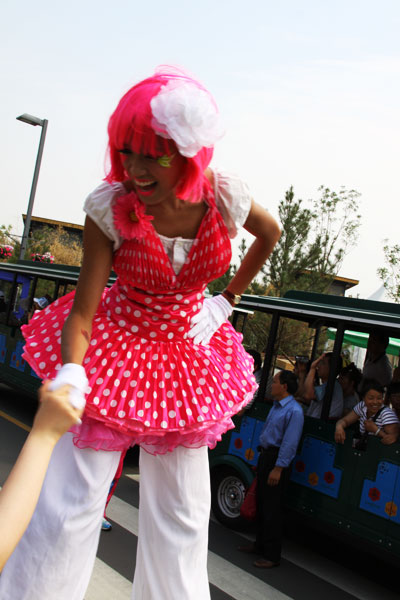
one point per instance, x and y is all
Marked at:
(31, 120)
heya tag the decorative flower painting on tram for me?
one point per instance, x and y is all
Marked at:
(3, 347)
(17, 362)
(382, 496)
(314, 467)
(244, 442)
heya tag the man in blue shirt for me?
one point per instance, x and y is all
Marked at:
(279, 439)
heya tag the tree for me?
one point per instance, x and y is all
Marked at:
(336, 223)
(314, 241)
(294, 254)
(220, 284)
(56, 241)
(6, 235)
(66, 250)
(390, 275)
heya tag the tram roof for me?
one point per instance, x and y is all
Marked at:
(47, 270)
(318, 309)
(324, 309)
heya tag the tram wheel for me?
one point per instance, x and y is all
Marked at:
(227, 494)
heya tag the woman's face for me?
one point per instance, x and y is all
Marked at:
(373, 401)
(154, 178)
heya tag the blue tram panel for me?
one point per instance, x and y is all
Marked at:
(381, 497)
(314, 467)
(243, 443)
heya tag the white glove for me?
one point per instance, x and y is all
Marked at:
(205, 323)
(75, 376)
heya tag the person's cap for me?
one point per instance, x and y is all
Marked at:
(41, 302)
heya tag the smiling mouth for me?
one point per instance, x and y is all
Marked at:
(145, 187)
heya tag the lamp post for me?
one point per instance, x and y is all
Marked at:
(31, 120)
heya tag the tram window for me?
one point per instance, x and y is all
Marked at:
(45, 288)
(294, 345)
(6, 289)
(65, 288)
(256, 330)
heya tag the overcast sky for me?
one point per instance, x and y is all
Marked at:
(309, 91)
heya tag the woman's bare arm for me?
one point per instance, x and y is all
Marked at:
(267, 232)
(388, 434)
(95, 270)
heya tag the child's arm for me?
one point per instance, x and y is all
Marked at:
(21, 491)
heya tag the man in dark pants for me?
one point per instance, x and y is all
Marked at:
(278, 444)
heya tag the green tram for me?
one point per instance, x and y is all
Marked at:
(347, 492)
(354, 494)
(21, 282)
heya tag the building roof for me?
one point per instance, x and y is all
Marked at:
(52, 223)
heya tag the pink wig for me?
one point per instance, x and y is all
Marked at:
(130, 126)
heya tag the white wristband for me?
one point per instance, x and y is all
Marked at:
(74, 375)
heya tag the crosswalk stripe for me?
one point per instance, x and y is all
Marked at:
(107, 583)
(227, 577)
(238, 583)
(327, 570)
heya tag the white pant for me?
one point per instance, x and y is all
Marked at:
(55, 557)
(174, 512)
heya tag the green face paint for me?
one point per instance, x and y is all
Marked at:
(165, 160)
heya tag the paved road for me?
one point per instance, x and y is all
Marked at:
(312, 565)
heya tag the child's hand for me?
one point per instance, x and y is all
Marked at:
(56, 414)
(340, 434)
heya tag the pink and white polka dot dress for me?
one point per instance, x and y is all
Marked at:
(149, 384)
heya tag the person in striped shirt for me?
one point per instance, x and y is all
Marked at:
(374, 418)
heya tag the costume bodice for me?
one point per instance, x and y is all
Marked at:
(143, 262)
(149, 299)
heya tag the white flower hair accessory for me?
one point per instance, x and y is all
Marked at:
(187, 114)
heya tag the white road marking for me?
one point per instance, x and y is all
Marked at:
(227, 577)
(344, 579)
(107, 583)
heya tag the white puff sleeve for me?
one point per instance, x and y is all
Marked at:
(98, 206)
(233, 199)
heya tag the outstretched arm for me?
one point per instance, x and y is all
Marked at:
(267, 232)
(21, 491)
(97, 260)
(95, 270)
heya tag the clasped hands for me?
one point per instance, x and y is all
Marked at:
(74, 376)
